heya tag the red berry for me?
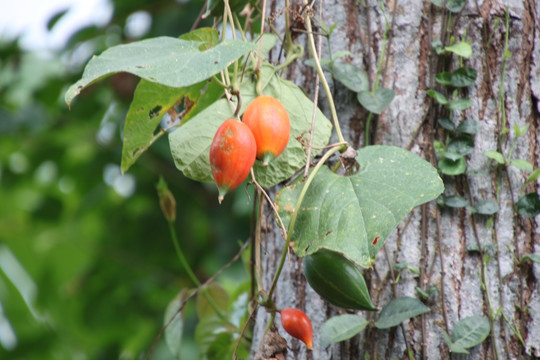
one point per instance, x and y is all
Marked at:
(232, 154)
(298, 325)
(269, 122)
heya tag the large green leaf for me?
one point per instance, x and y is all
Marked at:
(468, 332)
(347, 214)
(190, 144)
(164, 60)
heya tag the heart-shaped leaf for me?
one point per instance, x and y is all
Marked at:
(340, 328)
(351, 76)
(399, 310)
(190, 144)
(377, 101)
(354, 215)
(470, 331)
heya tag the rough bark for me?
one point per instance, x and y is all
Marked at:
(433, 239)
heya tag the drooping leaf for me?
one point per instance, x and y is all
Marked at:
(190, 144)
(470, 331)
(377, 101)
(340, 328)
(164, 60)
(346, 214)
(529, 205)
(399, 310)
(351, 76)
(173, 332)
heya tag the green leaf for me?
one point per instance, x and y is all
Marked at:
(345, 214)
(495, 155)
(190, 144)
(440, 98)
(455, 6)
(351, 76)
(520, 130)
(462, 48)
(486, 207)
(461, 145)
(446, 124)
(452, 167)
(439, 147)
(533, 257)
(444, 78)
(522, 164)
(529, 205)
(463, 77)
(437, 2)
(164, 60)
(218, 295)
(376, 102)
(209, 330)
(455, 201)
(468, 127)
(460, 104)
(340, 328)
(437, 45)
(173, 332)
(150, 102)
(399, 310)
(453, 348)
(340, 54)
(533, 177)
(470, 331)
(208, 36)
(450, 155)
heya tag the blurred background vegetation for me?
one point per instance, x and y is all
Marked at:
(87, 266)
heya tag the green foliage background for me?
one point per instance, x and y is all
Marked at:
(84, 271)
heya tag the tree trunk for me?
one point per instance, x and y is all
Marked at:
(436, 240)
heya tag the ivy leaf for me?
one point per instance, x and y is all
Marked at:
(446, 124)
(460, 104)
(190, 144)
(529, 205)
(495, 155)
(468, 127)
(399, 310)
(455, 201)
(461, 145)
(470, 331)
(522, 164)
(452, 164)
(164, 60)
(462, 48)
(444, 78)
(486, 207)
(346, 214)
(340, 328)
(440, 98)
(463, 77)
(376, 102)
(351, 76)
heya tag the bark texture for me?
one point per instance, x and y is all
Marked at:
(435, 240)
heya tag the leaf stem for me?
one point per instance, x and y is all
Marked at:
(294, 215)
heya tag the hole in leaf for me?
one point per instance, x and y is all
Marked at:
(154, 112)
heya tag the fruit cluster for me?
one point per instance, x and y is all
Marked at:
(262, 134)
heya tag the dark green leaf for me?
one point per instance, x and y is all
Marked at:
(529, 205)
(460, 104)
(452, 167)
(461, 145)
(533, 257)
(495, 155)
(376, 102)
(444, 78)
(440, 98)
(487, 207)
(390, 182)
(164, 60)
(470, 331)
(340, 328)
(399, 310)
(351, 76)
(468, 127)
(455, 201)
(463, 77)
(446, 124)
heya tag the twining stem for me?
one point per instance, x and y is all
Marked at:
(191, 274)
(324, 83)
(294, 215)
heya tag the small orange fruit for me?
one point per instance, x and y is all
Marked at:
(232, 154)
(269, 122)
(298, 325)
